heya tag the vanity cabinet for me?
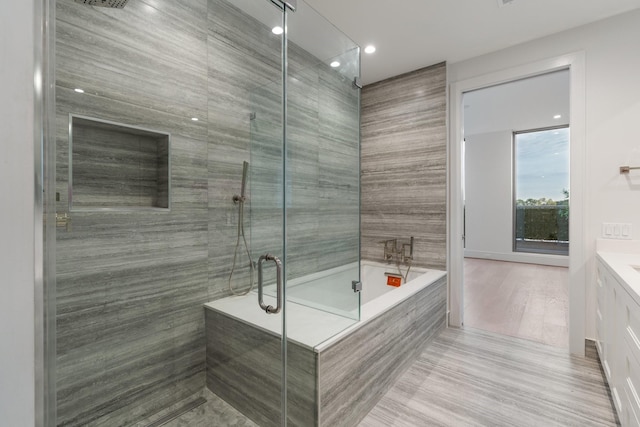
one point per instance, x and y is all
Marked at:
(618, 341)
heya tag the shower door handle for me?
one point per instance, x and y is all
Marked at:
(269, 308)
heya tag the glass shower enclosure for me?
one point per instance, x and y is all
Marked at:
(158, 103)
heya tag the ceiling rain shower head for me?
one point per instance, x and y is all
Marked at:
(116, 4)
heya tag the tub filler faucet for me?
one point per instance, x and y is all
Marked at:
(402, 253)
(390, 249)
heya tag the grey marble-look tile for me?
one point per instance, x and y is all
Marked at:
(144, 54)
(404, 164)
(244, 369)
(475, 378)
(115, 166)
(215, 412)
(131, 283)
(360, 368)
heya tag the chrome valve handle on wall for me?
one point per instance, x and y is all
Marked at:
(395, 252)
(269, 308)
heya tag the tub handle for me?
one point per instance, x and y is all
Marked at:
(269, 308)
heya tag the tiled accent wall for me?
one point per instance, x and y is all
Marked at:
(131, 283)
(404, 165)
(130, 332)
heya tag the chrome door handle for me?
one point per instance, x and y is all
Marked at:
(269, 308)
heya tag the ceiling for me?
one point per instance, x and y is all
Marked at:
(525, 104)
(417, 33)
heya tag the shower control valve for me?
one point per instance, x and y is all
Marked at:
(390, 248)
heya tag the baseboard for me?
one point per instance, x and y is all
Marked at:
(527, 258)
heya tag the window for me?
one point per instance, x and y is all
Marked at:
(541, 191)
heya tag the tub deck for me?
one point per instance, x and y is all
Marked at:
(316, 328)
(306, 326)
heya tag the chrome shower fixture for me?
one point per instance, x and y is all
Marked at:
(239, 200)
(242, 197)
(245, 169)
(116, 4)
(398, 252)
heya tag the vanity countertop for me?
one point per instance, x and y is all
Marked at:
(624, 264)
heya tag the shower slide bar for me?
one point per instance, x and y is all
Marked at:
(269, 308)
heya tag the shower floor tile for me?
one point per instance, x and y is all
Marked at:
(214, 413)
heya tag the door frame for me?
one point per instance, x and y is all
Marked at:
(575, 63)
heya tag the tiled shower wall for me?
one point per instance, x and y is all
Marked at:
(404, 147)
(131, 283)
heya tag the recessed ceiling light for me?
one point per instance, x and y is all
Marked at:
(557, 116)
(370, 49)
(195, 119)
(79, 90)
(335, 64)
(277, 30)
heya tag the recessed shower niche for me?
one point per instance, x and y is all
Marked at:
(115, 166)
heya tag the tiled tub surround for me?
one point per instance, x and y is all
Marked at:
(336, 373)
(404, 164)
(131, 283)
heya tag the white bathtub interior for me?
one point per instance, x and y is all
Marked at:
(328, 290)
(318, 325)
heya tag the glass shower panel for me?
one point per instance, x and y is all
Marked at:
(321, 178)
(323, 170)
(260, 355)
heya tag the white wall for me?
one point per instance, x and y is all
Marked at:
(488, 194)
(612, 112)
(17, 373)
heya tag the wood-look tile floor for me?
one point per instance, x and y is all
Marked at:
(522, 300)
(468, 377)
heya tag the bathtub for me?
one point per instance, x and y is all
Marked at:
(337, 367)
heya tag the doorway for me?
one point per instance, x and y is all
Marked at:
(574, 64)
(516, 199)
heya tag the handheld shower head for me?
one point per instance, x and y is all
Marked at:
(240, 198)
(245, 170)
